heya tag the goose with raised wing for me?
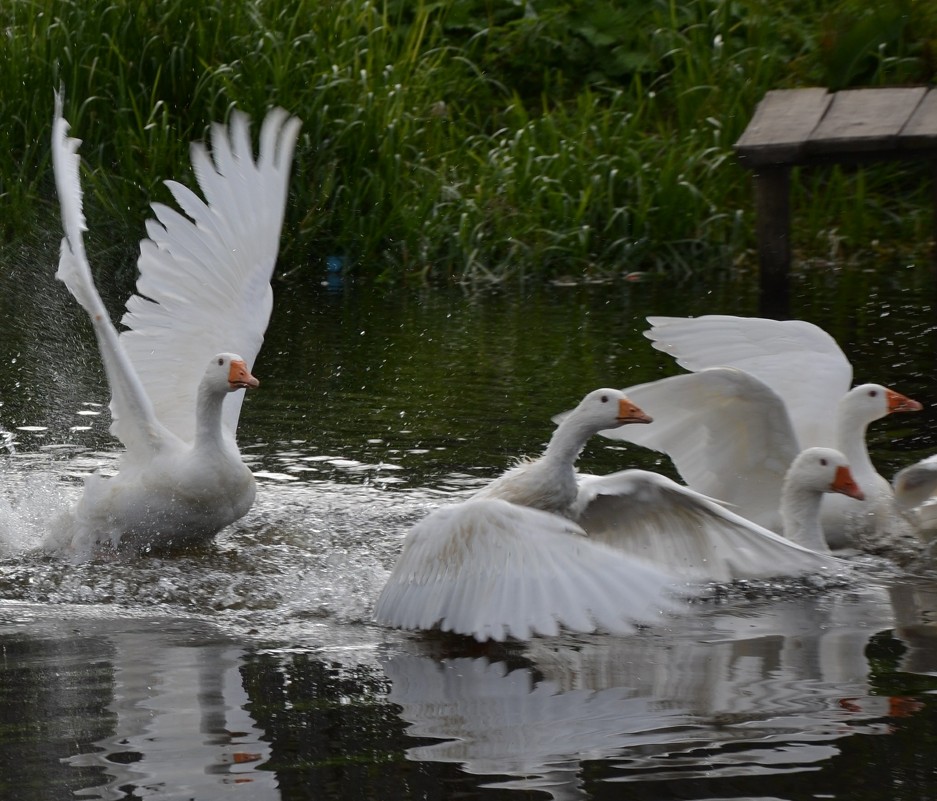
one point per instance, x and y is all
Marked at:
(533, 552)
(508, 562)
(733, 436)
(178, 371)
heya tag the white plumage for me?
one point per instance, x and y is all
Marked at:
(492, 569)
(732, 433)
(542, 548)
(915, 487)
(193, 330)
(665, 523)
(509, 563)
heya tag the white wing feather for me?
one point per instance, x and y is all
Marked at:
(650, 516)
(727, 433)
(916, 484)
(799, 361)
(204, 284)
(492, 569)
(128, 396)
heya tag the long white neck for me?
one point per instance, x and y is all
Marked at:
(548, 482)
(567, 442)
(209, 434)
(851, 425)
(800, 516)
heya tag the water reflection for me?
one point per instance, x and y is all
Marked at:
(113, 706)
(754, 691)
(497, 721)
(181, 728)
(117, 708)
(915, 606)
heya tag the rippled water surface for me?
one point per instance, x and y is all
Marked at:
(250, 669)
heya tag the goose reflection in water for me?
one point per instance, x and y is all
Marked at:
(915, 608)
(756, 693)
(180, 725)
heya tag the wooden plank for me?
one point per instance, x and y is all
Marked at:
(781, 124)
(921, 130)
(860, 120)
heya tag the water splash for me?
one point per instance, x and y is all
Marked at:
(29, 502)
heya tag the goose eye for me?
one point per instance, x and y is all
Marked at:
(220, 362)
(605, 399)
(823, 462)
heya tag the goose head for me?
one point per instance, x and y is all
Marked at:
(869, 402)
(606, 408)
(227, 372)
(823, 470)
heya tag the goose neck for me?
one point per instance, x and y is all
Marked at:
(850, 439)
(800, 516)
(567, 443)
(208, 429)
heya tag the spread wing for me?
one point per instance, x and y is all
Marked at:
(141, 431)
(727, 433)
(492, 569)
(648, 515)
(799, 361)
(204, 284)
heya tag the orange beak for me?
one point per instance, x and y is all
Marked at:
(239, 377)
(845, 484)
(899, 403)
(630, 413)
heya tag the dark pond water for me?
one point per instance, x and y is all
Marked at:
(250, 669)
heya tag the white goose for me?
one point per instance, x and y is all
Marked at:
(815, 472)
(192, 333)
(793, 394)
(495, 566)
(521, 557)
(915, 487)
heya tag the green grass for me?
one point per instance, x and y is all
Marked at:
(465, 140)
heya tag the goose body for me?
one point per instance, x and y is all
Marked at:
(177, 371)
(508, 562)
(491, 569)
(733, 435)
(542, 547)
(172, 492)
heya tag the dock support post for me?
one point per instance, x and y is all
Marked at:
(773, 226)
(933, 172)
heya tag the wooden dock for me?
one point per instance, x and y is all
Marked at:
(806, 127)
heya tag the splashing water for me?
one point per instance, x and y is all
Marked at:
(29, 503)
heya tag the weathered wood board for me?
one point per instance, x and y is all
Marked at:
(921, 130)
(800, 126)
(782, 123)
(859, 120)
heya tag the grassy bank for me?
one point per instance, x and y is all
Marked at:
(471, 139)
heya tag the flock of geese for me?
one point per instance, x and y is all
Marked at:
(763, 428)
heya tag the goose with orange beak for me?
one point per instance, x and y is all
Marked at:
(176, 388)
(543, 548)
(815, 472)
